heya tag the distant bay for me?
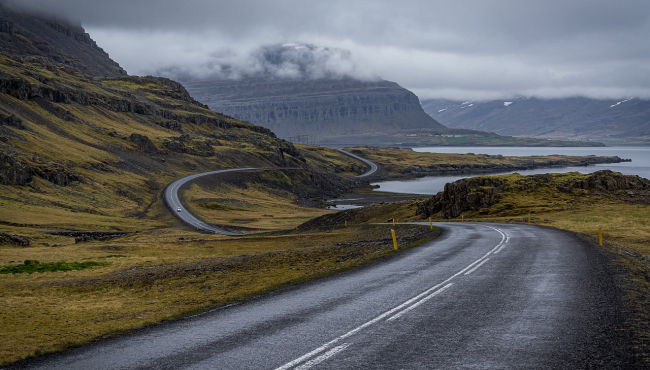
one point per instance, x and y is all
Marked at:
(640, 164)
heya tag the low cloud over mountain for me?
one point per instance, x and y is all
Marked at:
(286, 61)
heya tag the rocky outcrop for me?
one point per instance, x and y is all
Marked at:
(14, 240)
(463, 195)
(316, 107)
(144, 143)
(17, 170)
(12, 121)
(185, 144)
(476, 193)
(83, 236)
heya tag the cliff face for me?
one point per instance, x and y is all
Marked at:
(28, 35)
(316, 107)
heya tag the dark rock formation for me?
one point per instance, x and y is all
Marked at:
(316, 107)
(144, 143)
(469, 194)
(83, 236)
(16, 170)
(12, 121)
(476, 193)
(14, 240)
(185, 144)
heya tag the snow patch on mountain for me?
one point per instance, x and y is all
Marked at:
(621, 102)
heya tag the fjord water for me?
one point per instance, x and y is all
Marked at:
(640, 165)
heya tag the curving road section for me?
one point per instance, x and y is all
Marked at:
(174, 203)
(373, 166)
(482, 296)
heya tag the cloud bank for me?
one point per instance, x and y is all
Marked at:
(465, 49)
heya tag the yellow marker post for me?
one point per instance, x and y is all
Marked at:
(600, 235)
(529, 219)
(462, 218)
(393, 221)
(430, 223)
(394, 238)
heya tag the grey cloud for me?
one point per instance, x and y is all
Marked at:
(466, 48)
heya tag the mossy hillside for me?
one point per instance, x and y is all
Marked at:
(77, 136)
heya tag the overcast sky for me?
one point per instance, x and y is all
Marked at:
(458, 49)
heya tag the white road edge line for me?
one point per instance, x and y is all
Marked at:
(323, 357)
(392, 311)
(477, 266)
(414, 305)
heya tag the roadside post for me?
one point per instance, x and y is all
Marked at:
(393, 221)
(430, 223)
(462, 218)
(529, 219)
(394, 238)
(600, 235)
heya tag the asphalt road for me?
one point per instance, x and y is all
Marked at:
(174, 203)
(482, 296)
(373, 166)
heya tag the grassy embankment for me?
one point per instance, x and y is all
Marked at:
(399, 161)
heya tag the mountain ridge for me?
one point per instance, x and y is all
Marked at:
(579, 118)
(316, 107)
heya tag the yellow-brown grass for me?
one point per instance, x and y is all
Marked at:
(185, 273)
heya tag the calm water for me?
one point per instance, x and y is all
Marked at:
(640, 165)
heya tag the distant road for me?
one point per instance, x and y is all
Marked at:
(174, 203)
(482, 296)
(373, 166)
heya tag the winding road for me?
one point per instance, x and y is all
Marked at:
(373, 166)
(173, 201)
(482, 296)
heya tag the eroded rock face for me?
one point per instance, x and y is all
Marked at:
(469, 194)
(315, 107)
(476, 193)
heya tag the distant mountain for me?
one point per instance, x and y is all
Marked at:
(302, 89)
(615, 121)
(316, 107)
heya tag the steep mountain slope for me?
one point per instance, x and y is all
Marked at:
(623, 120)
(29, 35)
(80, 150)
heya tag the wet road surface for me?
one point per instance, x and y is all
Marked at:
(482, 296)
